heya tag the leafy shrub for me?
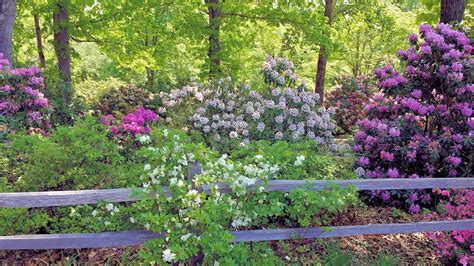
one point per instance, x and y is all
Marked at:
(301, 160)
(422, 125)
(76, 157)
(122, 100)
(183, 210)
(90, 91)
(458, 244)
(22, 102)
(348, 98)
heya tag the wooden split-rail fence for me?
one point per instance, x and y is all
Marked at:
(115, 239)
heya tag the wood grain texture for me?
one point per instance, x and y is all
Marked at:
(115, 239)
(67, 198)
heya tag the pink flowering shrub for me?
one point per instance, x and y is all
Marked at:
(130, 126)
(421, 124)
(22, 102)
(458, 244)
(348, 97)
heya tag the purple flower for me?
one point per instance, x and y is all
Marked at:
(453, 160)
(393, 132)
(414, 208)
(386, 156)
(363, 161)
(393, 173)
(385, 195)
(413, 37)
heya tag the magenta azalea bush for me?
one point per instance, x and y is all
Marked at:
(348, 97)
(132, 125)
(22, 102)
(458, 244)
(421, 124)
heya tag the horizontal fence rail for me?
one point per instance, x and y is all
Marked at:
(115, 239)
(68, 198)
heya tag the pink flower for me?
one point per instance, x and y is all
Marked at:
(393, 173)
(393, 132)
(386, 156)
(453, 160)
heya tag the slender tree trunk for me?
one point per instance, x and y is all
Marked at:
(214, 11)
(62, 48)
(322, 57)
(452, 10)
(7, 19)
(39, 42)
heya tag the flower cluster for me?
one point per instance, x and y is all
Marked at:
(348, 97)
(458, 204)
(133, 124)
(421, 124)
(21, 99)
(279, 72)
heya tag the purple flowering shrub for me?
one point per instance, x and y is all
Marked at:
(22, 102)
(348, 98)
(421, 124)
(131, 126)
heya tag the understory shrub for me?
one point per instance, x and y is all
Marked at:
(183, 210)
(458, 244)
(348, 98)
(22, 102)
(421, 124)
(73, 157)
(122, 100)
(90, 91)
(229, 115)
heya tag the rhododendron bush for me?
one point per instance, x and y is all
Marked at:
(348, 97)
(421, 124)
(22, 101)
(227, 114)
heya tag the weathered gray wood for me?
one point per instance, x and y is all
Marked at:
(63, 241)
(66, 198)
(114, 239)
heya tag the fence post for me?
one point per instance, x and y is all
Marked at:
(194, 170)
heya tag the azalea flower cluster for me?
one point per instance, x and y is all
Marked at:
(133, 124)
(421, 124)
(348, 97)
(21, 97)
(458, 204)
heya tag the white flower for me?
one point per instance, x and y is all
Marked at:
(186, 237)
(147, 167)
(132, 220)
(147, 226)
(144, 139)
(168, 256)
(109, 207)
(258, 157)
(107, 223)
(299, 160)
(287, 258)
(233, 134)
(94, 212)
(165, 132)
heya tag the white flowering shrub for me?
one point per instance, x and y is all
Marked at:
(228, 115)
(194, 219)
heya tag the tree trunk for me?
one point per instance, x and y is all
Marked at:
(7, 19)
(322, 57)
(452, 10)
(62, 48)
(39, 42)
(214, 10)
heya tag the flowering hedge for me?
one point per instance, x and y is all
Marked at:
(348, 97)
(421, 125)
(22, 102)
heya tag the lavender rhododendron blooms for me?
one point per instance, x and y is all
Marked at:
(420, 124)
(22, 98)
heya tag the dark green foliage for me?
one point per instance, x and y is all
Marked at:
(123, 100)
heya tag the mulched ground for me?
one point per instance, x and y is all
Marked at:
(409, 248)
